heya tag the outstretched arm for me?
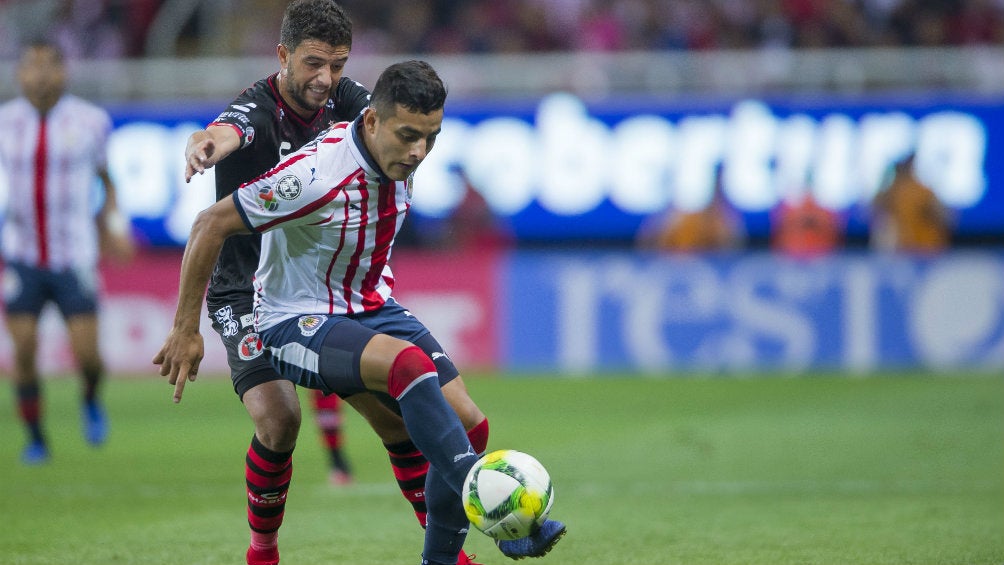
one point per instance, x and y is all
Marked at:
(209, 146)
(183, 349)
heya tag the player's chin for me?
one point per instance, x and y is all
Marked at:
(400, 171)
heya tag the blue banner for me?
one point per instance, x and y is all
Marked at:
(754, 312)
(562, 169)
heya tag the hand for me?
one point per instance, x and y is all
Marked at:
(198, 155)
(179, 359)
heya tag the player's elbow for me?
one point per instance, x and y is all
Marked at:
(218, 222)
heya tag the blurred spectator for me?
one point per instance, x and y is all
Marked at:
(86, 29)
(907, 215)
(111, 28)
(716, 227)
(471, 226)
(802, 228)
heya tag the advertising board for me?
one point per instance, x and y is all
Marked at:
(561, 169)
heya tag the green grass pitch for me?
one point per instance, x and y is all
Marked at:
(828, 469)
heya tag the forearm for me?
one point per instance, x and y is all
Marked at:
(110, 219)
(213, 144)
(201, 252)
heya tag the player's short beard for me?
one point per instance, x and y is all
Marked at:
(295, 94)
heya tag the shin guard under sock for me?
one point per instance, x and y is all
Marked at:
(410, 468)
(431, 422)
(267, 474)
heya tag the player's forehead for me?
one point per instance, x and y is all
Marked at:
(320, 50)
(424, 125)
(41, 54)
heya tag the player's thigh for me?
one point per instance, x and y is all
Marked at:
(387, 424)
(247, 358)
(75, 292)
(378, 359)
(25, 289)
(23, 330)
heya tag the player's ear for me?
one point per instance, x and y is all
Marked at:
(370, 120)
(283, 52)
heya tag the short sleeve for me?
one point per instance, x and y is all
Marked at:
(286, 195)
(241, 114)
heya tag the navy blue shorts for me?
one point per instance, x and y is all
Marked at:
(323, 352)
(26, 290)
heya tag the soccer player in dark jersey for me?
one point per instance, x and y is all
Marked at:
(274, 117)
(323, 289)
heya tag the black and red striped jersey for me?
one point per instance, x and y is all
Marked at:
(268, 131)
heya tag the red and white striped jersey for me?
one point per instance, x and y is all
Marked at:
(51, 164)
(329, 219)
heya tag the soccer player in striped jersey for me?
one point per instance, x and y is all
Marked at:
(329, 215)
(272, 118)
(52, 148)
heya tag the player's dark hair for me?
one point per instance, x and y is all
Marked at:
(412, 84)
(323, 20)
(44, 43)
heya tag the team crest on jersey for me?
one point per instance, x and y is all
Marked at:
(310, 324)
(250, 347)
(409, 187)
(288, 187)
(225, 318)
(248, 135)
(266, 199)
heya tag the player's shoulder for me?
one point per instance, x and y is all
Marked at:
(80, 104)
(335, 138)
(81, 110)
(253, 110)
(350, 98)
(14, 106)
(80, 107)
(260, 95)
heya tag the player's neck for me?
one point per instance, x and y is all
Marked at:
(43, 104)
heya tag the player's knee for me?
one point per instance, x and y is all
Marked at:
(410, 365)
(278, 432)
(278, 427)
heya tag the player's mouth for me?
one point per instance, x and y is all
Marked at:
(318, 92)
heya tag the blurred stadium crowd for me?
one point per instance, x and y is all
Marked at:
(99, 29)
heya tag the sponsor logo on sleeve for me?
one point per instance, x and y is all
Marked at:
(266, 199)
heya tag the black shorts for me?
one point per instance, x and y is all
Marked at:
(249, 361)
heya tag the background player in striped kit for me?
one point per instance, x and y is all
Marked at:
(330, 213)
(52, 146)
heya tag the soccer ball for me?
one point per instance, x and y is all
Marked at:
(507, 494)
